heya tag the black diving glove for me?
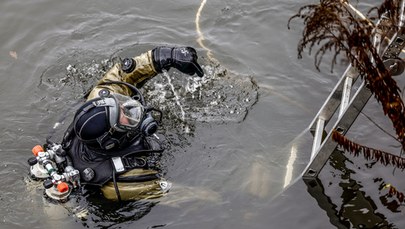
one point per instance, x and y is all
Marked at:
(183, 59)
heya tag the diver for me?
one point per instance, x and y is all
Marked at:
(110, 132)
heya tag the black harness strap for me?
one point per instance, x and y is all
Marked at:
(117, 191)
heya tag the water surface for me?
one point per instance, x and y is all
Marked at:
(230, 169)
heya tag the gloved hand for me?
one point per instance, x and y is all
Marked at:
(183, 59)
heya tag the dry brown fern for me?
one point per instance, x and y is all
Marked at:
(356, 149)
(394, 192)
(333, 27)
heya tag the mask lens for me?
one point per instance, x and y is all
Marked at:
(130, 116)
(130, 112)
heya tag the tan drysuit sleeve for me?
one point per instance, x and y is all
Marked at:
(144, 70)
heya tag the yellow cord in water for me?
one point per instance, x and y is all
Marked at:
(200, 38)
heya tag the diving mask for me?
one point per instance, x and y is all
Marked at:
(126, 114)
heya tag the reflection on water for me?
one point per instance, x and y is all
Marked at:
(356, 209)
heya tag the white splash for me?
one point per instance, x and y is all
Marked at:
(56, 125)
(176, 96)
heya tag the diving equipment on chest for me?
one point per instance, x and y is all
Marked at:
(51, 165)
(121, 177)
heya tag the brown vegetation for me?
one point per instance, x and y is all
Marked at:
(333, 26)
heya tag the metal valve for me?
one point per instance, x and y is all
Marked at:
(48, 184)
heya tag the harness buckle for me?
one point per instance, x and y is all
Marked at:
(118, 165)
